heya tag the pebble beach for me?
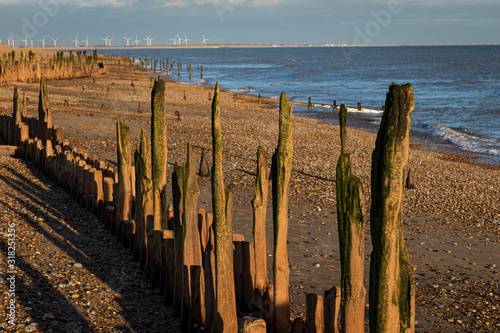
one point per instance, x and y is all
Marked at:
(452, 218)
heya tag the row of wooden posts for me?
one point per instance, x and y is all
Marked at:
(28, 68)
(203, 269)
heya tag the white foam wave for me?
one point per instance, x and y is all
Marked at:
(466, 140)
(243, 90)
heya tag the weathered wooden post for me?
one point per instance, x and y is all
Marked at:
(178, 203)
(259, 205)
(201, 72)
(392, 283)
(226, 320)
(44, 111)
(351, 223)
(123, 198)
(144, 197)
(192, 255)
(309, 104)
(158, 149)
(204, 168)
(281, 171)
(247, 275)
(314, 314)
(16, 113)
(331, 305)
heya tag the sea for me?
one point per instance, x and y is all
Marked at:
(457, 88)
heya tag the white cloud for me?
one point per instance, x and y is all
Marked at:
(176, 3)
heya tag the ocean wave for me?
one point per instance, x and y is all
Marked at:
(277, 83)
(243, 90)
(201, 81)
(466, 139)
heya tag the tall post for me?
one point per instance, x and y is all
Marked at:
(351, 223)
(259, 205)
(281, 171)
(226, 320)
(124, 179)
(159, 149)
(144, 196)
(392, 283)
(191, 235)
(44, 110)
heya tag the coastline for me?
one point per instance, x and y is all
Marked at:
(454, 200)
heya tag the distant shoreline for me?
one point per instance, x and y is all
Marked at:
(219, 46)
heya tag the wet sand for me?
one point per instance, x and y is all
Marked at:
(452, 219)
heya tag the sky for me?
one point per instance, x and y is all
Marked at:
(361, 22)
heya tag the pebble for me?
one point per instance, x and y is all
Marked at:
(30, 328)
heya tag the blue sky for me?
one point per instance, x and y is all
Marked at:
(254, 21)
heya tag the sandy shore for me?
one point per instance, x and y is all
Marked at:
(452, 219)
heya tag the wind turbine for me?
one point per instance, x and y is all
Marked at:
(12, 40)
(186, 39)
(109, 41)
(136, 41)
(86, 41)
(150, 40)
(105, 41)
(179, 40)
(204, 41)
(43, 41)
(128, 40)
(31, 42)
(76, 41)
(147, 40)
(55, 41)
(25, 42)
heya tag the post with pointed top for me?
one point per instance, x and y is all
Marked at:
(159, 149)
(226, 320)
(392, 283)
(351, 223)
(259, 205)
(281, 172)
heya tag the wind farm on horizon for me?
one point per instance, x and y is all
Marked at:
(129, 42)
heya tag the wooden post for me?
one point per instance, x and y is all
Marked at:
(192, 254)
(314, 314)
(281, 171)
(392, 281)
(226, 320)
(331, 304)
(259, 205)
(351, 224)
(124, 181)
(247, 275)
(158, 149)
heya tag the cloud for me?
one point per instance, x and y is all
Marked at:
(176, 3)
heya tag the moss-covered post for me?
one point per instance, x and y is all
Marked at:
(351, 223)
(16, 113)
(44, 111)
(226, 320)
(392, 283)
(144, 198)
(281, 171)
(158, 149)
(259, 204)
(192, 255)
(124, 179)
